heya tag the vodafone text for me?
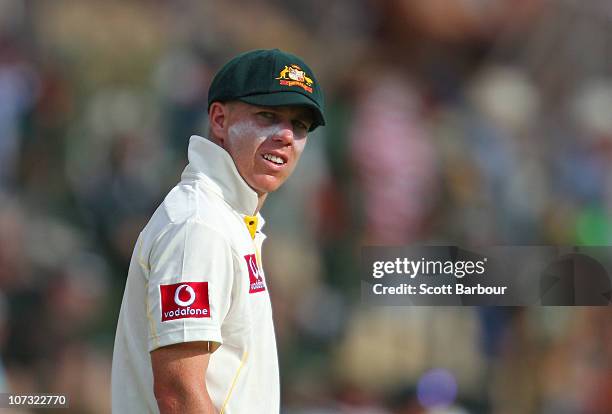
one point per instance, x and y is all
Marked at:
(184, 300)
(186, 312)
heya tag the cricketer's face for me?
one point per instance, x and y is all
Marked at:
(266, 142)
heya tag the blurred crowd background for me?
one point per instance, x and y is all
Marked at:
(470, 122)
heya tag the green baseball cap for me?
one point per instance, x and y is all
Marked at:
(268, 77)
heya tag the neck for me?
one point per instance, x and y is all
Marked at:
(260, 197)
(260, 200)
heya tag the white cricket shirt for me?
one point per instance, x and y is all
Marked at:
(195, 275)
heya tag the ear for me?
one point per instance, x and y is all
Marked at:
(218, 120)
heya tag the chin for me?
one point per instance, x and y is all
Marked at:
(267, 185)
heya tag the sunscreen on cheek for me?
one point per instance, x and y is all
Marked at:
(248, 127)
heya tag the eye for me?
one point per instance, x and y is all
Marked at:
(300, 127)
(268, 116)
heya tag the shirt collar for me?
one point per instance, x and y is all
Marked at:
(214, 166)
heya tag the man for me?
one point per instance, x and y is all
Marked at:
(195, 332)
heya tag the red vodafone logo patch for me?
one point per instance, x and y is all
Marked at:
(184, 300)
(256, 283)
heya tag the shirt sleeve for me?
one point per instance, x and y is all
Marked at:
(190, 285)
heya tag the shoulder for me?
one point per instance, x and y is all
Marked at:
(189, 211)
(191, 201)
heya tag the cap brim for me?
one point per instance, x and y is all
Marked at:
(286, 98)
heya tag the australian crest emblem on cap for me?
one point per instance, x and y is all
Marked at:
(293, 75)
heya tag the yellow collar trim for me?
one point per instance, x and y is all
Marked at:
(251, 223)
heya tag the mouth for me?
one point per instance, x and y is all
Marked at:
(277, 160)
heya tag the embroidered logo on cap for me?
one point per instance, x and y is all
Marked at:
(184, 300)
(294, 76)
(256, 283)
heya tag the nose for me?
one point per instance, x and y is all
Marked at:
(284, 134)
